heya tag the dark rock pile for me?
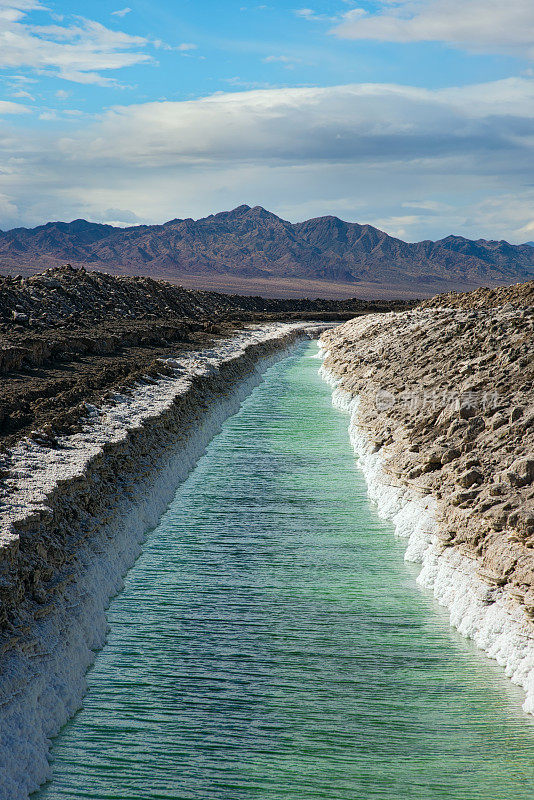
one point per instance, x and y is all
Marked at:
(66, 297)
(67, 336)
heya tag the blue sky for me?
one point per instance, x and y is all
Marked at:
(413, 115)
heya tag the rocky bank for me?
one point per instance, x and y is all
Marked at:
(445, 418)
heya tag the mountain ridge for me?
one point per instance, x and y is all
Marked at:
(254, 244)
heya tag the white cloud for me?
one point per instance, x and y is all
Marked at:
(286, 61)
(477, 25)
(120, 217)
(428, 206)
(22, 93)
(397, 226)
(8, 210)
(15, 9)
(425, 162)
(7, 107)
(186, 46)
(377, 122)
(121, 12)
(75, 52)
(241, 83)
(279, 59)
(22, 79)
(313, 16)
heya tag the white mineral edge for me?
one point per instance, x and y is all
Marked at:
(479, 611)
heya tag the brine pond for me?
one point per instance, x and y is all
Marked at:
(270, 642)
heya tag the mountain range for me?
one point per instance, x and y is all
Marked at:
(251, 247)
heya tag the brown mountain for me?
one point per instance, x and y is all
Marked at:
(255, 248)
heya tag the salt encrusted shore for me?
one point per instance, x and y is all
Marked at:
(73, 519)
(441, 417)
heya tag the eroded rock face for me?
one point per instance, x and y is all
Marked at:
(448, 393)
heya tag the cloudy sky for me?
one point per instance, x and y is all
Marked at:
(416, 116)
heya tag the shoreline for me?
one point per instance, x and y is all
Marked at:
(70, 537)
(485, 611)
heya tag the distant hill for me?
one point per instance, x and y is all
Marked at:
(254, 248)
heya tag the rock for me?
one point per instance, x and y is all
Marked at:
(465, 410)
(459, 498)
(521, 472)
(497, 421)
(470, 478)
(472, 461)
(450, 455)
(516, 413)
(475, 426)
(432, 461)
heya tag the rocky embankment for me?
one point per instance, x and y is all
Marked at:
(445, 418)
(68, 336)
(521, 295)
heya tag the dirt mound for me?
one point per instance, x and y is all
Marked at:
(520, 295)
(69, 297)
(69, 336)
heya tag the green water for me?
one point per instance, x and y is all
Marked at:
(270, 643)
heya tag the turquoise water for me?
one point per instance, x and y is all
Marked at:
(271, 644)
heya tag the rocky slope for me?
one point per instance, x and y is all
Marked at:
(446, 400)
(253, 243)
(69, 336)
(517, 296)
(67, 297)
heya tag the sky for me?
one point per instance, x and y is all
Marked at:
(416, 116)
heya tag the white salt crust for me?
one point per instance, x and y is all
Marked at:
(42, 688)
(480, 611)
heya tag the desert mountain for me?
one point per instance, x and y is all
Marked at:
(254, 244)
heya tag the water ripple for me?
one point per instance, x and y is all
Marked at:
(270, 643)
